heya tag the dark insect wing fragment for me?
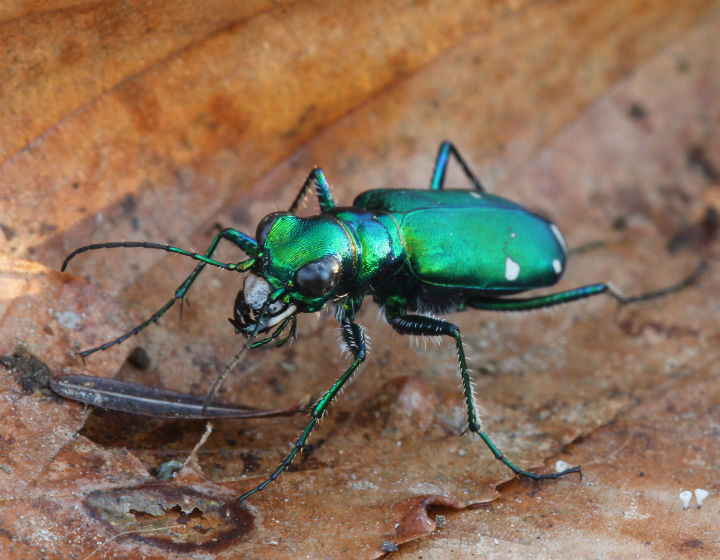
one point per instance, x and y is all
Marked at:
(114, 394)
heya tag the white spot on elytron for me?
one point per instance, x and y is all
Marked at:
(557, 267)
(561, 466)
(363, 485)
(685, 497)
(559, 237)
(700, 496)
(512, 269)
(476, 194)
(513, 235)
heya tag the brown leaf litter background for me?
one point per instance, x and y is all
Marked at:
(134, 121)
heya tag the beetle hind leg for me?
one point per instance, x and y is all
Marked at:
(422, 325)
(583, 292)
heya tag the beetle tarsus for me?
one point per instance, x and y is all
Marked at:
(549, 476)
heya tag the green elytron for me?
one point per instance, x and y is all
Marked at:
(417, 252)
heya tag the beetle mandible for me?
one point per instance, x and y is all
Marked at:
(416, 252)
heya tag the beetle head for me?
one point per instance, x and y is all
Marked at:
(253, 304)
(302, 264)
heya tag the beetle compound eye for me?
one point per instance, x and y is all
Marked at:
(266, 224)
(319, 277)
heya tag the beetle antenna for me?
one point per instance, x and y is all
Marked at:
(241, 266)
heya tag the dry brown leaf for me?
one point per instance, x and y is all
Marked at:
(149, 122)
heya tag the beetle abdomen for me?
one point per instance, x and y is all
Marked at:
(468, 240)
(482, 249)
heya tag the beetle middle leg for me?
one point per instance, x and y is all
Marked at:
(354, 338)
(246, 243)
(429, 326)
(441, 162)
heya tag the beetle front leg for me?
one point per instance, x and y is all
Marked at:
(441, 162)
(325, 200)
(246, 243)
(292, 321)
(421, 325)
(354, 339)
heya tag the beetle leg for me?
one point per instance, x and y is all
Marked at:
(419, 324)
(290, 335)
(325, 200)
(441, 162)
(354, 338)
(277, 332)
(526, 304)
(246, 243)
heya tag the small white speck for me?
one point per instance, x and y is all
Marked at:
(497, 542)
(512, 269)
(363, 485)
(476, 195)
(557, 267)
(700, 496)
(68, 319)
(513, 235)
(685, 497)
(561, 466)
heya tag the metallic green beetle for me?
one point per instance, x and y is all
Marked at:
(417, 252)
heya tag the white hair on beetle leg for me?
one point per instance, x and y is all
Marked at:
(471, 382)
(348, 348)
(473, 399)
(381, 314)
(342, 344)
(338, 309)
